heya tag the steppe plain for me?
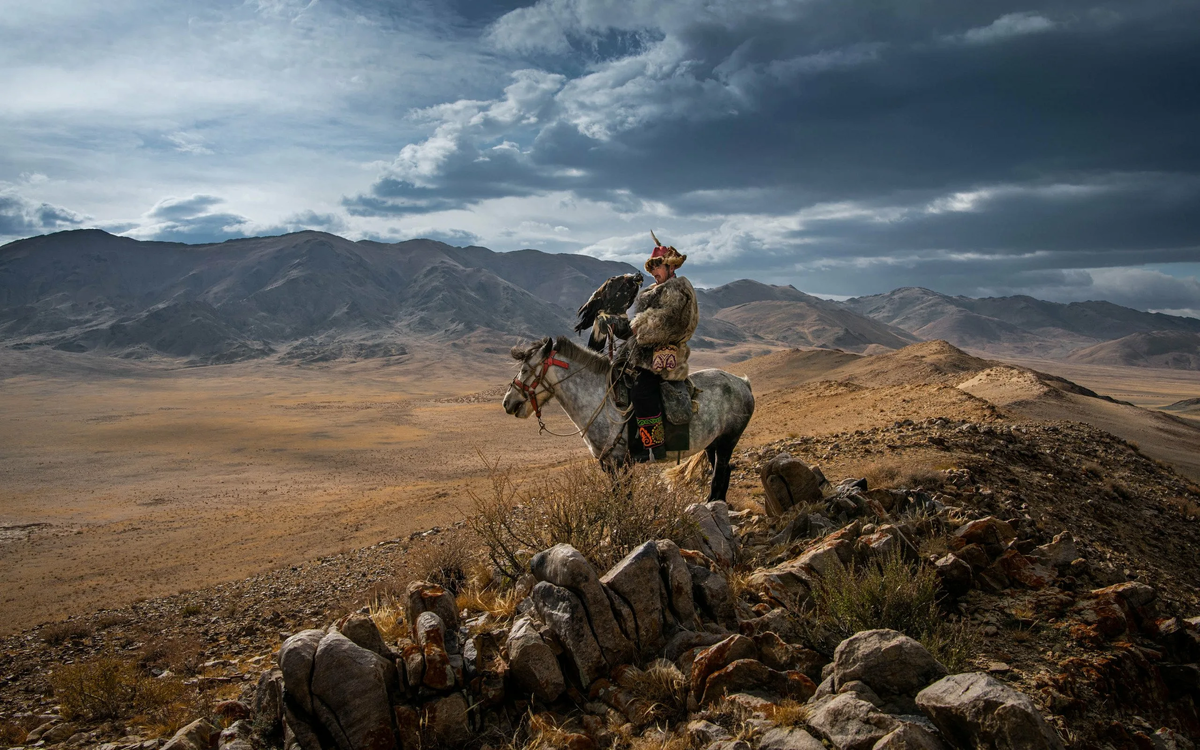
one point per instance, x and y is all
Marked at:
(127, 480)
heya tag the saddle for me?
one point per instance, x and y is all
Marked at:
(677, 401)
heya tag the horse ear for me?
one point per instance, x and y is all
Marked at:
(548, 346)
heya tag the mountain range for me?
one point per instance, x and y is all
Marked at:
(312, 296)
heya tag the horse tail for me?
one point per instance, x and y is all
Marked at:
(689, 472)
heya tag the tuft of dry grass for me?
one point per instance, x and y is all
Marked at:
(788, 713)
(935, 545)
(58, 633)
(443, 562)
(12, 734)
(500, 604)
(901, 474)
(663, 686)
(390, 617)
(886, 592)
(603, 516)
(109, 688)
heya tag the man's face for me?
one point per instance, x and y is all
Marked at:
(660, 273)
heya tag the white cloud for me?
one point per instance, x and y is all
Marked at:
(21, 216)
(1005, 27)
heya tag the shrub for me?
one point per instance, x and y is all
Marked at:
(61, 632)
(443, 562)
(887, 592)
(603, 516)
(902, 474)
(109, 688)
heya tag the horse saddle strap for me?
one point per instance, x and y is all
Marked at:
(677, 401)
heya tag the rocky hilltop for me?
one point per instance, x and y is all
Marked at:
(1036, 591)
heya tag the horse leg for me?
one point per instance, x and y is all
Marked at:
(719, 453)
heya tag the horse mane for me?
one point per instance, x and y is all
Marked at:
(582, 356)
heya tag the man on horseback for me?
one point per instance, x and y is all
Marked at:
(665, 319)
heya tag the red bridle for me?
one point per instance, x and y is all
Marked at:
(530, 390)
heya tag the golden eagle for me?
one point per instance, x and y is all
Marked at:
(612, 298)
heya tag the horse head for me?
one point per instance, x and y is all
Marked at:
(530, 379)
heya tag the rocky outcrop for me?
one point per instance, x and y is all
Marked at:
(975, 710)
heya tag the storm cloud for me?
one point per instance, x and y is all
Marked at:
(846, 147)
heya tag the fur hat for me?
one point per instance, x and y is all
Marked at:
(671, 257)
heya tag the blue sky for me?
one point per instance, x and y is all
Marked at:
(846, 147)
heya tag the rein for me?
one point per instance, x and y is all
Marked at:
(530, 391)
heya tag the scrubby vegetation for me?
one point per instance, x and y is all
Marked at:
(110, 688)
(603, 516)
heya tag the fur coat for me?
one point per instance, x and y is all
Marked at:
(666, 314)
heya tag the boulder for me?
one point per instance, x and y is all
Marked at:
(786, 657)
(954, 574)
(362, 630)
(789, 738)
(1019, 568)
(789, 583)
(413, 660)
(1059, 553)
(637, 581)
(350, 689)
(909, 736)
(751, 675)
(429, 597)
(677, 583)
(850, 723)
(704, 732)
(532, 665)
(975, 710)
(714, 536)
(711, 591)
(717, 657)
(446, 720)
(296, 665)
(431, 637)
(826, 557)
(562, 565)
(787, 483)
(199, 735)
(566, 617)
(895, 666)
(268, 702)
(990, 533)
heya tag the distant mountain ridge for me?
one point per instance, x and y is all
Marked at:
(1013, 325)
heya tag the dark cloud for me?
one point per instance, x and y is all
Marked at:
(20, 217)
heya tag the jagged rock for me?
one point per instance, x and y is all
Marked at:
(894, 665)
(1019, 568)
(975, 556)
(990, 533)
(909, 736)
(788, 583)
(729, 745)
(268, 702)
(296, 664)
(786, 657)
(412, 658)
(862, 691)
(429, 597)
(975, 710)
(350, 689)
(236, 736)
(408, 726)
(751, 675)
(564, 566)
(677, 582)
(789, 738)
(788, 482)
(199, 735)
(850, 723)
(636, 580)
(362, 630)
(431, 637)
(776, 621)
(566, 617)
(532, 664)
(826, 557)
(717, 657)
(446, 719)
(877, 543)
(714, 538)
(705, 732)
(1059, 553)
(954, 573)
(711, 591)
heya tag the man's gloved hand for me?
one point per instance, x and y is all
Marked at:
(618, 324)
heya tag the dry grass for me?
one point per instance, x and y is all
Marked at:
(888, 592)
(602, 516)
(934, 546)
(60, 632)
(788, 713)
(500, 604)
(390, 617)
(110, 688)
(444, 562)
(12, 734)
(1185, 507)
(665, 688)
(901, 474)
(181, 654)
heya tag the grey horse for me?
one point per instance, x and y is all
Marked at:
(579, 379)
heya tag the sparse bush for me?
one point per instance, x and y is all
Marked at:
(12, 734)
(887, 592)
(665, 688)
(602, 516)
(182, 654)
(899, 474)
(109, 688)
(60, 632)
(443, 562)
(191, 610)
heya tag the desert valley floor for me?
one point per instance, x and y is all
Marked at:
(123, 480)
